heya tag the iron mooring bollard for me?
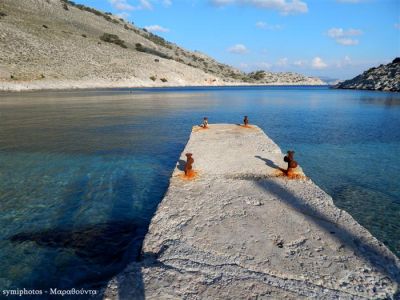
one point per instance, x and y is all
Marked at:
(205, 122)
(246, 121)
(292, 164)
(189, 163)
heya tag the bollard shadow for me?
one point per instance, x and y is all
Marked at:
(368, 252)
(181, 165)
(270, 163)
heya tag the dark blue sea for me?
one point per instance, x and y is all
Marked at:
(82, 172)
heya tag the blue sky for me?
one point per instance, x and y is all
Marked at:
(333, 38)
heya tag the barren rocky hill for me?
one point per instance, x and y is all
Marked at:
(48, 44)
(383, 78)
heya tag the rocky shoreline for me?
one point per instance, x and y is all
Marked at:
(381, 78)
(132, 84)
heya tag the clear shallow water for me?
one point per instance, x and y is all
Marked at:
(81, 173)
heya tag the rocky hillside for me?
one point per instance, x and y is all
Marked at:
(263, 77)
(382, 78)
(59, 44)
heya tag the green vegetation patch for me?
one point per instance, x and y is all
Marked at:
(156, 39)
(139, 47)
(257, 75)
(114, 39)
(91, 10)
(2, 14)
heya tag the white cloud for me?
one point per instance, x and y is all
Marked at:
(318, 63)
(300, 63)
(249, 67)
(350, 1)
(344, 37)
(347, 41)
(285, 7)
(340, 32)
(266, 26)
(238, 49)
(261, 24)
(121, 5)
(145, 4)
(346, 61)
(222, 2)
(124, 5)
(167, 2)
(282, 62)
(123, 15)
(263, 65)
(156, 28)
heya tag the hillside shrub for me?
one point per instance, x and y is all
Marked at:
(156, 39)
(65, 6)
(153, 78)
(164, 79)
(114, 39)
(258, 75)
(91, 10)
(2, 14)
(141, 48)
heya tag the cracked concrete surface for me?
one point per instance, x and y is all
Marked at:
(241, 231)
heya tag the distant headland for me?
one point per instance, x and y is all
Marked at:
(381, 78)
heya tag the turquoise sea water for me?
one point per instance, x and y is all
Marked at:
(81, 173)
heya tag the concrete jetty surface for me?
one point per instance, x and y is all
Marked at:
(239, 230)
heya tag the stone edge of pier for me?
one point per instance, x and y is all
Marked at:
(290, 239)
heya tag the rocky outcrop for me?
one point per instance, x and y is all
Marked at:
(49, 44)
(382, 78)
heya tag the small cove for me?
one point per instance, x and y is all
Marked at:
(82, 172)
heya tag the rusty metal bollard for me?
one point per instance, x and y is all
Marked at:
(292, 164)
(246, 121)
(205, 122)
(189, 163)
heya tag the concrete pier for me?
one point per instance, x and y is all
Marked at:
(240, 230)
